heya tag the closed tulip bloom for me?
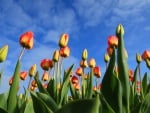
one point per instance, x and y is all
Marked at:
(27, 40)
(79, 71)
(113, 41)
(77, 86)
(83, 64)
(97, 71)
(32, 70)
(56, 56)
(92, 63)
(106, 58)
(85, 54)
(138, 58)
(146, 55)
(63, 41)
(74, 80)
(45, 76)
(64, 52)
(3, 53)
(120, 30)
(32, 88)
(23, 75)
(46, 64)
(33, 83)
(131, 74)
(110, 51)
(10, 81)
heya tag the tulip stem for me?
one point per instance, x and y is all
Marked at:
(22, 51)
(29, 83)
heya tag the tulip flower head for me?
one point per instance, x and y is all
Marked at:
(112, 41)
(85, 54)
(97, 71)
(138, 58)
(3, 53)
(79, 71)
(23, 75)
(74, 80)
(10, 81)
(46, 64)
(27, 40)
(45, 76)
(83, 64)
(56, 56)
(32, 70)
(131, 74)
(63, 41)
(106, 58)
(110, 51)
(64, 52)
(92, 63)
(146, 55)
(33, 83)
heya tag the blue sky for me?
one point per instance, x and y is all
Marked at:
(88, 23)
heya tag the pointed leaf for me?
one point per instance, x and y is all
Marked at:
(29, 107)
(3, 100)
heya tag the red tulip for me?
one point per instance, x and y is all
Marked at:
(146, 55)
(112, 41)
(23, 75)
(97, 71)
(74, 80)
(46, 64)
(64, 52)
(79, 71)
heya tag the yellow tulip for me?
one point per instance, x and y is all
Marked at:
(3, 53)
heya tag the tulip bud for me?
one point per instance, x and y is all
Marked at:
(32, 88)
(131, 74)
(119, 30)
(83, 64)
(92, 63)
(23, 75)
(10, 81)
(27, 40)
(97, 72)
(45, 76)
(64, 52)
(33, 83)
(113, 41)
(32, 70)
(110, 51)
(84, 54)
(146, 55)
(74, 80)
(106, 58)
(56, 56)
(138, 58)
(79, 71)
(63, 41)
(3, 53)
(46, 64)
(76, 86)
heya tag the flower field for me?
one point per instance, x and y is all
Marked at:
(74, 91)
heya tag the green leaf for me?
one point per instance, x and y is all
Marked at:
(65, 86)
(12, 97)
(38, 105)
(145, 84)
(48, 101)
(3, 100)
(81, 106)
(3, 111)
(145, 106)
(123, 71)
(111, 87)
(73, 91)
(39, 84)
(29, 107)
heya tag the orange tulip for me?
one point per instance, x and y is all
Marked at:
(97, 71)
(45, 76)
(109, 51)
(146, 55)
(79, 71)
(23, 75)
(63, 40)
(92, 63)
(32, 88)
(46, 64)
(27, 40)
(131, 74)
(76, 86)
(10, 81)
(112, 41)
(83, 64)
(64, 52)
(74, 80)
(33, 83)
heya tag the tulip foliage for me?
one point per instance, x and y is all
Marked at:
(60, 91)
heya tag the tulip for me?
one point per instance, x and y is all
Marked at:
(83, 64)
(131, 74)
(74, 80)
(23, 75)
(3, 53)
(32, 88)
(56, 56)
(10, 81)
(138, 58)
(110, 51)
(94, 88)
(32, 70)
(120, 30)
(46, 64)
(63, 41)
(76, 86)
(33, 83)
(96, 71)
(146, 55)
(64, 52)
(113, 41)
(92, 63)
(79, 71)
(106, 58)
(45, 76)
(45, 85)
(84, 54)
(27, 40)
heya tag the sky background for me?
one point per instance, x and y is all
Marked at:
(88, 23)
